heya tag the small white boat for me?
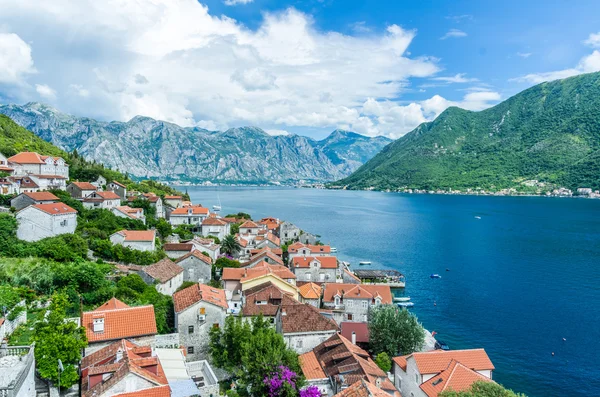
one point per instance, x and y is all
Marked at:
(477, 217)
(405, 304)
(216, 208)
(435, 276)
(401, 298)
(333, 250)
(364, 263)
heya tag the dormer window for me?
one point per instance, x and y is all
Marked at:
(337, 300)
(98, 325)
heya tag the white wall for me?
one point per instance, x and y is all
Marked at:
(35, 225)
(170, 286)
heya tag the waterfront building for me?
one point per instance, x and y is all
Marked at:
(352, 302)
(321, 269)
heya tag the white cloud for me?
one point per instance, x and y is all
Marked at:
(457, 78)
(587, 64)
(524, 54)
(460, 18)
(453, 33)
(236, 2)
(15, 59)
(177, 62)
(593, 40)
(277, 132)
(360, 27)
(45, 91)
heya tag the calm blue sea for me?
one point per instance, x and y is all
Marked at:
(521, 278)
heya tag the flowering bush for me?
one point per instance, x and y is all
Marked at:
(282, 383)
(310, 391)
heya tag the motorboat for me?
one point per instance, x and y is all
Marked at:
(216, 208)
(477, 217)
(333, 250)
(364, 263)
(401, 298)
(405, 304)
(435, 276)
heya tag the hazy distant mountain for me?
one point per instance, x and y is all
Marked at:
(145, 147)
(549, 133)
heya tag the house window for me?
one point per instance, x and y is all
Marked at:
(216, 325)
(350, 317)
(364, 304)
(308, 279)
(337, 301)
(299, 344)
(417, 378)
(64, 222)
(191, 329)
(349, 304)
(190, 350)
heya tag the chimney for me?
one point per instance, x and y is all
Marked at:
(353, 337)
(119, 355)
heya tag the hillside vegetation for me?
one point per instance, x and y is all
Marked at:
(549, 133)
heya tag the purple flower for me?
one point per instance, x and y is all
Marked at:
(310, 391)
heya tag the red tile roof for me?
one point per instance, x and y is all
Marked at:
(124, 322)
(178, 247)
(249, 273)
(119, 184)
(112, 304)
(163, 270)
(434, 362)
(249, 225)
(455, 377)
(159, 391)
(195, 210)
(265, 252)
(84, 185)
(197, 293)
(327, 262)
(314, 249)
(265, 299)
(41, 196)
(304, 318)
(53, 208)
(214, 222)
(173, 198)
(362, 388)
(26, 158)
(109, 195)
(310, 366)
(196, 253)
(361, 331)
(138, 235)
(357, 291)
(310, 291)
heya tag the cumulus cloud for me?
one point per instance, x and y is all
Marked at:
(236, 2)
(177, 62)
(453, 33)
(593, 40)
(457, 78)
(277, 132)
(15, 59)
(45, 91)
(524, 54)
(587, 64)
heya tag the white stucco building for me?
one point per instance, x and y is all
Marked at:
(141, 240)
(215, 227)
(26, 163)
(39, 221)
(193, 215)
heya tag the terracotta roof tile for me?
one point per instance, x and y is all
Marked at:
(119, 184)
(314, 249)
(196, 253)
(362, 388)
(310, 366)
(163, 270)
(327, 262)
(262, 268)
(455, 377)
(41, 196)
(120, 323)
(361, 330)
(265, 299)
(178, 247)
(84, 185)
(304, 318)
(266, 252)
(434, 362)
(112, 304)
(196, 293)
(173, 198)
(159, 391)
(249, 225)
(53, 208)
(214, 222)
(26, 158)
(310, 291)
(138, 235)
(194, 210)
(357, 291)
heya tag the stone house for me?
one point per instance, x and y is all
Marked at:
(303, 326)
(123, 368)
(321, 269)
(26, 199)
(350, 278)
(299, 249)
(32, 163)
(426, 374)
(49, 182)
(118, 188)
(197, 267)
(102, 200)
(39, 221)
(115, 320)
(155, 202)
(8, 186)
(192, 215)
(174, 201)
(215, 227)
(311, 293)
(80, 190)
(125, 211)
(207, 245)
(288, 232)
(165, 274)
(198, 308)
(100, 183)
(308, 239)
(264, 299)
(177, 250)
(24, 184)
(269, 240)
(141, 240)
(251, 228)
(352, 302)
(272, 224)
(344, 363)
(264, 255)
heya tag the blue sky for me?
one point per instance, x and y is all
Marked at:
(305, 66)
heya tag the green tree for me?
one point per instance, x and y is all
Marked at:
(482, 389)
(164, 228)
(57, 339)
(383, 361)
(230, 245)
(394, 331)
(234, 228)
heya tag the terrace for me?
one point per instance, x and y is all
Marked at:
(392, 278)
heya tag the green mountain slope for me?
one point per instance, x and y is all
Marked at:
(549, 133)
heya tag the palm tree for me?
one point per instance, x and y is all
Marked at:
(230, 245)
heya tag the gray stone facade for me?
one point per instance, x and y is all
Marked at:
(194, 327)
(195, 269)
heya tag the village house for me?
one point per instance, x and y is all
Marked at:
(155, 202)
(141, 240)
(26, 199)
(17, 378)
(272, 224)
(123, 369)
(343, 363)
(352, 302)
(32, 163)
(80, 190)
(118, 188)
(125, 211)
(298, 249)
(197, 309)
(269, 240)
(350, 278)
(308, 239)
(251, 228)
(8, 186)
(24, 184)
(114, 321)
(49, 182)
(288, 232)
(100, 183)
(174, 201)
(264, 299)
(303, 326)
(197, 267)
(310, 293)
(322, 269)
(39, 221)
(245, 248)
(193, 215)
(363, 388)
(426, 374)
(102, 200)
(264, 255)
(207, 245)
(4, 167)
(215, 227)
(238, 280)
(177, 250)
(165, 274)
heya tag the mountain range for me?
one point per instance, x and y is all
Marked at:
(546, 136)
(148, 148)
